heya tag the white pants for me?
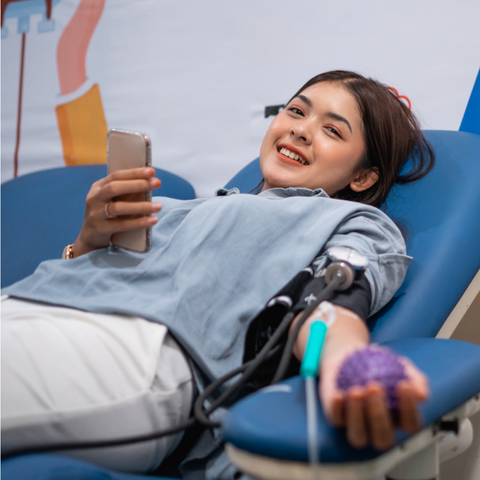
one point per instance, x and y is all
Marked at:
(69, 375)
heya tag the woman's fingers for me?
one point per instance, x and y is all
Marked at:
(416, 379)
(127, 224)
(123, 215)
(367, 418)
(115, 188)
(364, 412)
(356, 424)
(380, 424)
(337, 412)
(409, 418)
(410, 392)
(126, 216)
(121, 182)
(120, 209)
(129, 174)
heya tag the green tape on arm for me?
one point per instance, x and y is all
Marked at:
(311, 359)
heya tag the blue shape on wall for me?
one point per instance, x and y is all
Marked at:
(23, 9)
(471, 118)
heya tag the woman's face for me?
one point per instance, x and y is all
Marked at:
(321, 129)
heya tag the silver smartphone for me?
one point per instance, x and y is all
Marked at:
(125, 150)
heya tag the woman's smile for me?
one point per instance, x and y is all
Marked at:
(290, 155)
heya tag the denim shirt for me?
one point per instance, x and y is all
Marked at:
(215, 262)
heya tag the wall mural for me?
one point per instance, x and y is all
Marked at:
(22, 9)
(197, 77)
(81, 121)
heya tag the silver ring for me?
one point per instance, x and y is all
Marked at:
(107, 213)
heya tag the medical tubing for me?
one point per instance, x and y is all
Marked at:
(201, 414)
(287, 352)
(309, 371)
(249, 367)
(312, 420)
(56, 447)
(311, 358)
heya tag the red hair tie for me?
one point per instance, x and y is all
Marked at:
(395, 91)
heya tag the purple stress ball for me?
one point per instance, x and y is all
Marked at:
(374, 363)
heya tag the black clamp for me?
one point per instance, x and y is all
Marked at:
(273, 110)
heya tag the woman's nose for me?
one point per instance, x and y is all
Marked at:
(301, 132)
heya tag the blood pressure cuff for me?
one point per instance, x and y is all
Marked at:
(357, 298)
(294, 297)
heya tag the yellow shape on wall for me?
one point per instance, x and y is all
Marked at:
(83, 129)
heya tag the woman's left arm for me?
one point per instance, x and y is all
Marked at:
(362, 411)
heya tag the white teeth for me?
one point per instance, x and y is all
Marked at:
(293, 156)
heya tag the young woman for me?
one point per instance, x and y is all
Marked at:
(91, 344)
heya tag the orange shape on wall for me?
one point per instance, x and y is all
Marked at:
(83, 129)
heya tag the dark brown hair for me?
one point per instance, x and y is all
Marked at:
(391, 133)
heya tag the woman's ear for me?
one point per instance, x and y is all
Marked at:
(365, 179)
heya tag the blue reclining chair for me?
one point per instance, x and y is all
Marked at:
(266, 432)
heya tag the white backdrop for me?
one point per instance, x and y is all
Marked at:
(196, 76)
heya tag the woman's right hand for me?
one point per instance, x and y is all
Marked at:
(363, 410)
(97, 228)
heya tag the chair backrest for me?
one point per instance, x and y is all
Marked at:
(441, 213)
(43, 211)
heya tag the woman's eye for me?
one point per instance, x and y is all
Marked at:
(333, 131)
(295, 110)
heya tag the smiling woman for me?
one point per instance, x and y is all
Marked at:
(138, 322)
(312, 143)
(347, 134)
